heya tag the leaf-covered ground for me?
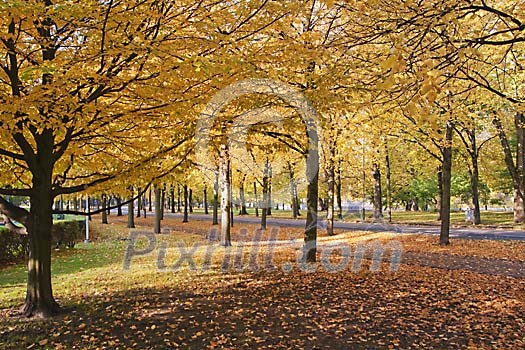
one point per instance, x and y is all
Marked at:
(439, 297)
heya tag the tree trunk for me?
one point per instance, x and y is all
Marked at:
(158, 204)
(269, 191)
(172, 199)
(517, 170)
(39, 298)
(178, 199)
(242, 196)
(108, 205)
(310, 232)
(378, 200)
(215, 220)
(119, 206)
(190, 200)
(388, 186)
(293, 194)
(519, 200)
(256, 198)
(447, 174)
(337, 192)
(205, 194)
(139, 204)
(144, 208)
(439, 202)
(150, 202)
(231, 196)
(474, 185)
(185, 191)
(470, 143)
(104, 212)
(131, 209)
(265, 202)
(162, 202)
(414, 206)
(225, 184)
(330, 177)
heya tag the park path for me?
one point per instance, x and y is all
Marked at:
(469, 233)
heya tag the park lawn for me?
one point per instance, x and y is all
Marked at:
(414, 307)
(488, 218)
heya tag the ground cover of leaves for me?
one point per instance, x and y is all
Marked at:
(419, 306)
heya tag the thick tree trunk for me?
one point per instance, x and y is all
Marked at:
(104, 212)
(310, 232)
(158, 201)
(39, 298)
(242, 196)
(186, 204)
(215, 220)
(225, 184)
(447, 174)
(378, 199)
(519, 207)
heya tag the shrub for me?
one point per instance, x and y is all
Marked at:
(15, 247)
(67, 233)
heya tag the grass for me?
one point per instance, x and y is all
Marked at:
(488, 218)
(415, 307)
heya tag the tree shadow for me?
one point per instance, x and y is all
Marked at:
(279, 310)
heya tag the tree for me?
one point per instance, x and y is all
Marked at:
(84, 103)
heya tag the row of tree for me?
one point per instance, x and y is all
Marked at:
(95, 93)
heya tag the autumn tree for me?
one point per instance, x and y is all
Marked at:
(93, 91)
